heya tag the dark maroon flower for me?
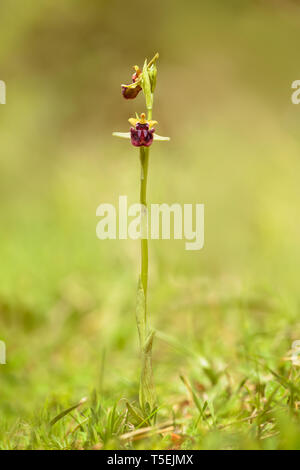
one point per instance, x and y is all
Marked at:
(142, 132)
(141, 135)
(131, 91)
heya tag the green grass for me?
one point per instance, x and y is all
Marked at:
(226, 391)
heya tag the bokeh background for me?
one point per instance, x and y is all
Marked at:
(67, 299)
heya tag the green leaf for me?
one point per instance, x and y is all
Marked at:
(135, 414)
(67, 411)
(147, 391)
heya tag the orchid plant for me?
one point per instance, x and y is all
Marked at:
(142, 134)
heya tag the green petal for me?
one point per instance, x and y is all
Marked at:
(123, 135)
(159, 137)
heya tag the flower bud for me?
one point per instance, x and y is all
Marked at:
(146, 85)
(152, 76)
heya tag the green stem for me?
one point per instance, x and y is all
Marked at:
(144, 158)
(147, 391)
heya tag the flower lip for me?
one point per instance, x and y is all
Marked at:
(132, 90)
(141, 132)
(141, 135)
(129, 93)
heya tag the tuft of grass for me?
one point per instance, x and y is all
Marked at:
(258, 411)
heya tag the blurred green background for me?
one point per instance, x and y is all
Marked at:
(67, 299)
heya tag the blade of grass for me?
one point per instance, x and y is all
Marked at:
(67, 411)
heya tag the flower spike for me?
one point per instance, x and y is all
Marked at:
(142, 134)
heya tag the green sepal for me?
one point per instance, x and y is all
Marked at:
(146, 86)
(152, 75)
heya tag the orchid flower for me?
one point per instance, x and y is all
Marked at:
(142, 132)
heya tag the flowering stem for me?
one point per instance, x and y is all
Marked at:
(144, 158)
(147, 393)
(142, 135)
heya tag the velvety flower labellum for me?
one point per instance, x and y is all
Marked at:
(130, 93)
(141, 135)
